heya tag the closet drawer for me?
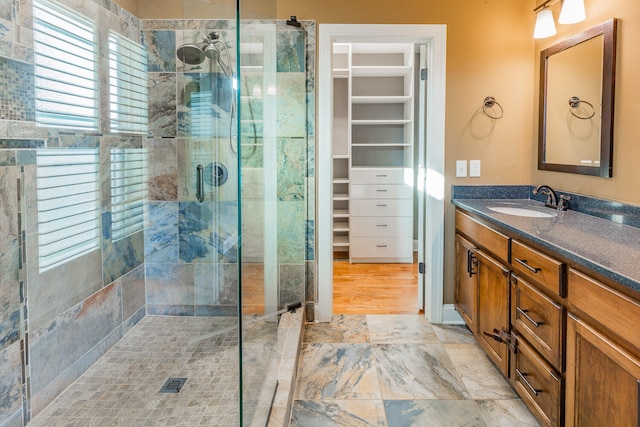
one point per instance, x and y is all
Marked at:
(381, 176)
(539, 386)
(389, 207)
(382, 248)
(394, 226)
(538, 267)
(487, 238)
(381, 191)
(538, 319)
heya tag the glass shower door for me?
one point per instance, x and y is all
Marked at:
(257, 162)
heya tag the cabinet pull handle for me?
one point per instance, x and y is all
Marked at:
(529, 318)
(381, 225)
(381, 206)
(470, 263)
(523, 262)
(381, 191)
(200, 183)
(381, 176)
(381, 246)
(527, 383)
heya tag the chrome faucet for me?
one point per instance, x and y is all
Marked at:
(553, 201)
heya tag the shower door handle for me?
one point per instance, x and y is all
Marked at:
(200, 183)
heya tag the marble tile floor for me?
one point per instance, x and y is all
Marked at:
(399, 370)
(122, 388)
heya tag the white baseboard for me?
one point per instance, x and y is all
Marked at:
(450, 316)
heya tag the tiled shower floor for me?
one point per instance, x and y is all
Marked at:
(122, 388)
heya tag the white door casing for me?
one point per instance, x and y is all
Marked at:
(434, 39)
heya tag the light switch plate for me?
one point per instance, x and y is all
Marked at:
(474, 168)
(461, 168)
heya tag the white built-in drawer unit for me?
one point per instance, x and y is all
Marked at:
(383, 226)
(381, 191)
(387, 207)
(381, 176)
(380, 249)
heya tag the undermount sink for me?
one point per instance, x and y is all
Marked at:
(531, 213)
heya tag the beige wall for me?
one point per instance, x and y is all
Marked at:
(130, 5)
(489, 53)
(203, 9)
(626, 149)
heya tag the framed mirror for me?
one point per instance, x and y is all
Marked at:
(577, 86)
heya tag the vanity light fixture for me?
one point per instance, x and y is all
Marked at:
(545, 27)
(572, 11)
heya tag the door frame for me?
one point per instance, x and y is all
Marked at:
(434, 36)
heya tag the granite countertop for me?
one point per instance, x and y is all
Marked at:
(603, 246)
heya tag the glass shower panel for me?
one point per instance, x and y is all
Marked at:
(258, 165)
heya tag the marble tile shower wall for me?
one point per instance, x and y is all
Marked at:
(193, 243)
(55, 323)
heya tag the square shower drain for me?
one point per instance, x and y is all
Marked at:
(173, 385)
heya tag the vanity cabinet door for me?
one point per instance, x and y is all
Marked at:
(603, 379)
(493, 309)
(466, 294)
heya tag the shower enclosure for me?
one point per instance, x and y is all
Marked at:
(155, 221)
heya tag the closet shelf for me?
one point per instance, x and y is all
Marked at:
(381, 71)
(341, 180)
(400, 99)
(388, 144)
(341, 196)
(341, 213)
(340, 240)
(381, 122)
(341, 72)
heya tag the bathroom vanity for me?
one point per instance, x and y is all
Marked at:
(554, 299)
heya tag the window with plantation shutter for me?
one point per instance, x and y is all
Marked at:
(128, 96)
(66, 68)
(128, 191)
(68, 205)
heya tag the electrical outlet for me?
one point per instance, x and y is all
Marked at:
(474, 168)
(461, 168)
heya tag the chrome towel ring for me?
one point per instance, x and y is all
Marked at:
(575, 102)
(488, 103)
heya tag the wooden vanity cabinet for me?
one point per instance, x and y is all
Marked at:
(493, 309)
(569, 344)
(482, 285)
(603, 355)
(466, 294)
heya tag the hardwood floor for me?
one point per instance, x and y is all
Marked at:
(375, 288)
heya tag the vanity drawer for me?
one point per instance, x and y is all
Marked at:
(389, 207)
(487, 238)
(538, 384)
(381, 191)
(381, 248)
(538, 319)
(391, 226)
(381, 176)
(614, 311)
(538, 267)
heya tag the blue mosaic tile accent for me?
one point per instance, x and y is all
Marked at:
(17, 92)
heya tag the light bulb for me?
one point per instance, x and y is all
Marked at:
(545, 27)
(572, 11)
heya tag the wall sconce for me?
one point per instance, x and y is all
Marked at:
(572, 11)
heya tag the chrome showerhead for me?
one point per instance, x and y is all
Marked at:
(191, 54)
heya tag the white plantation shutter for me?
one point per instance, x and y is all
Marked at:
(68, 205)
(128, 191)
(128, 94)
(66, 68)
